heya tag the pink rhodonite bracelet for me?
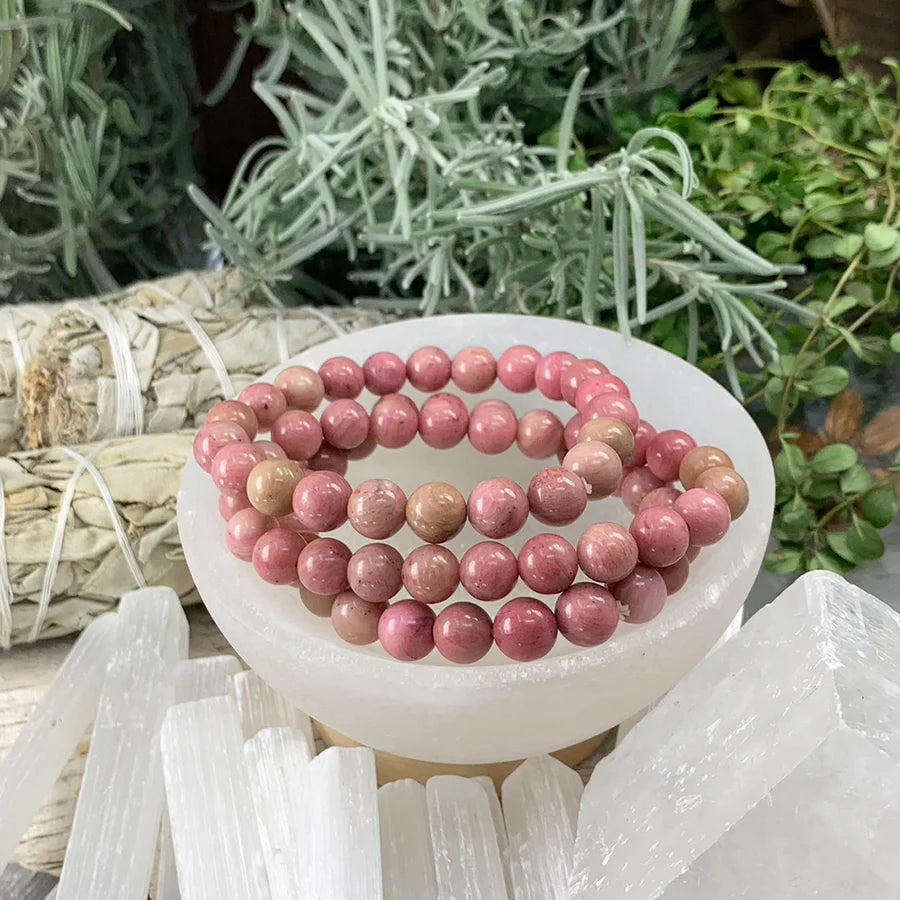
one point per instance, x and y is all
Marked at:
(279, 496)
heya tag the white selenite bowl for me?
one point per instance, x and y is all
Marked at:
(496, 709)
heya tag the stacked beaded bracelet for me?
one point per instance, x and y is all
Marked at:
(280, 495)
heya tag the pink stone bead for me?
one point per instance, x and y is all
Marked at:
(675, 576)
(232, 465)
(377, 508)
(492, 427)
(428, 369)
(548, 563)
(345, 424)
(320, 501)
(539, 434)
(692, 553)
(473, 370)
(298, 433)
(642, 439)
(548, 373)
(556, 496)
(343, 378)
(244, 529)
(666, 451)
(661, 496)
(301, 386)
(636, 484)
(356, 620)
(570, 433)
(430, 573)
(497, 507)
(516, 366)
(233, 502)
(661, 535)
(587, 614)
(385, 373)
(443, 421)
(275, 556)
(292, 523)
(266, 401)
(488, 570)
(463, 633)
(706, 513)
(598, 464)
(525, 629)
(642, 594)
(212, 438)
(394, 421)
(322, 566)
(406, 630)
(607, 552)
(374, 572)
(612, 406)
(328, 459)
(234, 411)
(574, 376)
(592, 388)
(270, 450)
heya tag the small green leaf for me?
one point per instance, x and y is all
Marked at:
(833, 459)
(879, 506)
(879, 147)
(771, 241)
(823, 489)
(752, 202)
(848, 246)
(873, 349)
(895, 342)
(785, 561)
(864, 540)
(880, 237)
(828, 381)
(772, 395)
(834, 562)
(856, 480)
(838, 542)
(783, 366)
(842, 304)
(790, 465)
(822, 246)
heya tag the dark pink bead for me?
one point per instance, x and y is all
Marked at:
(443, 421)
(692, 553)
(642, 438)
(363, 450)
(270, 450)
(636, 484)
(525, 629)
(675, 576)
(356, 620)
(428, 369)
(488, 570)
(587, 614)
(374, 572)
(515, 368)
(298, 433)
(539, 434)
(385, 373)
(607, 552)
(244, 529)
(474, 370)
(430, 573)
(642, 594)
(275, 556)
(661, 535)
(666, 451)
(492, 427)
(234, 411)
(548, 373)
(574, 376)
(497, 507)
(661, 496)
(548, 563)
(266, 401)
(328, 459)
(320, 501)
(345, 424)
(594, 387)
(557, 496)
(232, 502)
(394, 421)
(463, 633)
(343, 378)
(570, 434)
(212, 438)
(612, 406)
(232, 464)
(706, 513)
(377, 508)
(322, 566)
(406, 630)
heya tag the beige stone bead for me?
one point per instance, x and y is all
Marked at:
(729, 485)
(699, 460)
(436, 512)
(270, 487)
(609, 431)
(317, 604)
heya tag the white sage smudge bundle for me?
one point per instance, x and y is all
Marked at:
(117, 371)
(79, 527)
(23, 326)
